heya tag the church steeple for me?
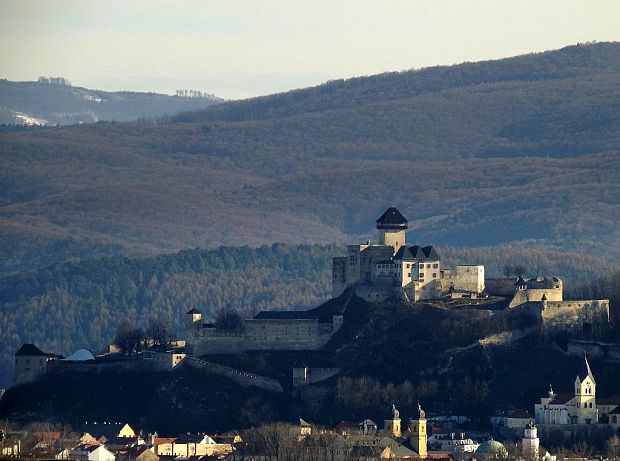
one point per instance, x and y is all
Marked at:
(417, 426)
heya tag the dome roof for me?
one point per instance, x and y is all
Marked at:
(492, 447)
(81, 355)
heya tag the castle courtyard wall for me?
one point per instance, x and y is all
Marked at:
(574, 314)
(263, 334)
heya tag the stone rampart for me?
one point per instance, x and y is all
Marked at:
(120, 365)
(566, 315)
(243, 378)
(264, 335)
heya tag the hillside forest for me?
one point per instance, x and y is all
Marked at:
(54, 101)
(75, 305)
(520, 151)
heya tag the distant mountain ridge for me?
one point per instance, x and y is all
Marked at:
(520, 151)
(46, 103)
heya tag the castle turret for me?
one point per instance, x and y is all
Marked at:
(392, 226)
(30, 363)
(417, 426)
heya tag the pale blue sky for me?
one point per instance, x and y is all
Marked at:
(238, 49)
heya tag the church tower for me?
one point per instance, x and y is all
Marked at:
(531, 443)
(585, 396)
(417, 426)
(392, 426)
(392, 226)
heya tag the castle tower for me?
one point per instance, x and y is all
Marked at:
(585, 393)
(30, 363)
(531, 443)
(418, 432)
(392, 226)
(392, 426)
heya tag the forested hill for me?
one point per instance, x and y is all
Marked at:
(56, 102)
(569, 62)
(73, 305)
(520, 151)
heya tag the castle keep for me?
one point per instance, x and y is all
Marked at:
(378, 271)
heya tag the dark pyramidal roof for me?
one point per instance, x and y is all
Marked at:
(392, 216)
(30, 350)
(416, 252)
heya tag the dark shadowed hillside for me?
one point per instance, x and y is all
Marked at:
(520, 151)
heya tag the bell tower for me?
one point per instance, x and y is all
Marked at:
(531, 443)
(417, 426)
(392, 426)
(392, 226)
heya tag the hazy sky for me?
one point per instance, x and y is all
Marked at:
(238, 48)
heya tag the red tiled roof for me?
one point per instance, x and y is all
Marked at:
(561, 398)
(162, 440)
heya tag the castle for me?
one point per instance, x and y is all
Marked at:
(381, 270)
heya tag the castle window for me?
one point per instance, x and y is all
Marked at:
(435, 266)
(434, 275)
(590, 404)
(421, 275)
(578, 404)
(407, 266)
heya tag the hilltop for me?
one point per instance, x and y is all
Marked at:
(520, 151)
(387, 352)
(47, 103)
(75, 305)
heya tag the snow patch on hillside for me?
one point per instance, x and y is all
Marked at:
(30, 120)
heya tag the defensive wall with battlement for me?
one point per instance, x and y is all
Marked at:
(267, 331)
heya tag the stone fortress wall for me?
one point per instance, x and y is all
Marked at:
(568, 315)
(262, 335)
